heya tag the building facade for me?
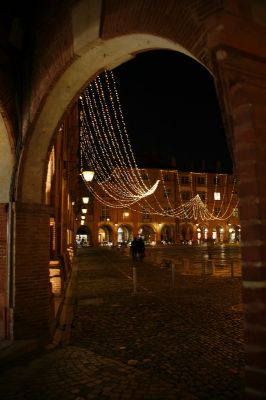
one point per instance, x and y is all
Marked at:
(187, 207)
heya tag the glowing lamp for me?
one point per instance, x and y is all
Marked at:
(85, 200)
(83, 217)
(87, 175)
(84, 210)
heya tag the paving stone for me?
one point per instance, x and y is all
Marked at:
(184, 343)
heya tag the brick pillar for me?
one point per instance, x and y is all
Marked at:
(31, 292)
(250, 128)
(4, 333)
(239, 67)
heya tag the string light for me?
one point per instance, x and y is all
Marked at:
(105, 148)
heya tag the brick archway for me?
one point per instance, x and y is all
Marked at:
(237, 59)
(102, 55)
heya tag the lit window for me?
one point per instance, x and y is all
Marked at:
(217, 196)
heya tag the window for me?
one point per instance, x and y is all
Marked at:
(184, 180)
(200, 180)
(166, 178)
(217, 210)
(235, 212)
(217, 196)
(167, 192)
(185, 195)
(105, 214)
(146, 214)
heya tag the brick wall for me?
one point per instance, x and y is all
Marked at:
(31, 291)
(185, 21)
(3, 268)
(250, 149)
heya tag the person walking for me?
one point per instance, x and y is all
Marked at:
(137, 248)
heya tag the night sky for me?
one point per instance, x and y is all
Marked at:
(171, 112)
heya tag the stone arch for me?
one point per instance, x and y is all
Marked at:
(167, 233)
(99, 56)
(105, 234)
(148, 233)
(124, 233)
(186, 231)
(85, 230)
(220, 231)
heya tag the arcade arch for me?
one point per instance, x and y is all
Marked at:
(245, 112)
(105, 235)
(84, 233)
(186, 232)
(167, 234)
(124, 234)
(91, 60)
(148, 233)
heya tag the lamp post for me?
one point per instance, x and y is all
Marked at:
(87, 175)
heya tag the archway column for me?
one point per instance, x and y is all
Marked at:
(249, 125)
(30, 290)
(243, 78)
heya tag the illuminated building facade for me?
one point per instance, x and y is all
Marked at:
(187, 207)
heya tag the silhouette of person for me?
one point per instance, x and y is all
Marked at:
(137, 248)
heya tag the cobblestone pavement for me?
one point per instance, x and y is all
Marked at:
(155, 340)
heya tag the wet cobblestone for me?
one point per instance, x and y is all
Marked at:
(161, 343)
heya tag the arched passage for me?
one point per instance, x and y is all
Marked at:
(247, 114)
(105, 235)
(84, 236)
(92, 60)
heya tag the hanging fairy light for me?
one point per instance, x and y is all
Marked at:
(117, 181)
(106, 147)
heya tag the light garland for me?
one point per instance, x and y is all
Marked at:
(105, 148)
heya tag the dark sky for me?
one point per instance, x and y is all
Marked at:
(171, 111)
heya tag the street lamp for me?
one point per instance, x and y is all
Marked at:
(85, 200)
(87, 175)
